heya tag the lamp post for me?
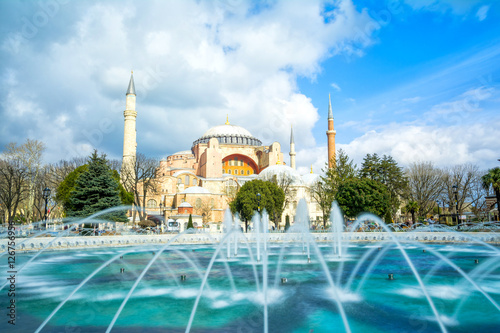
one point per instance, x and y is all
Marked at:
(161, 206)
(437, 201)
(46, 195)
(455, 191)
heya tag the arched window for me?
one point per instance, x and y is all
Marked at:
(179, 181)
(235, 172)
(194, 182)
(229, 171)
(198, 203)
(186, 180)
(151, 203)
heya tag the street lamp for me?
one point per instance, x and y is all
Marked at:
(161, 211)
(46, 195)
(455, 191)
(437, 201)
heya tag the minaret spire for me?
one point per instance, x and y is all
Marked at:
(330, 113)
(330, 134)
(131, 85)
(292, 149)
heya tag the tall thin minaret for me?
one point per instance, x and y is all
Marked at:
(331, 136)
(129, 133)
(292, 149)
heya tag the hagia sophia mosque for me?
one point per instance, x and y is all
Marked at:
(204, 179)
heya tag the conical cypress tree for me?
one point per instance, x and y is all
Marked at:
(96, 190)
(190, 222)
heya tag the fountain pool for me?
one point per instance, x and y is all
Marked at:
(233, 299)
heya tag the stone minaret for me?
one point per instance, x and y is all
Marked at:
(292, 150)
(331, 136)
(129, 133)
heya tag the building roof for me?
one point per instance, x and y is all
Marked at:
(186, 204)
(310, 178)
(330, 113)
(281, 171)
(195, 190)
(178, 173)
(229, 134)
(131, 86)
(184, 152)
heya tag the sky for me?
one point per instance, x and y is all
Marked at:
(414, 79)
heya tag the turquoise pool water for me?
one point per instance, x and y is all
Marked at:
(232, 300)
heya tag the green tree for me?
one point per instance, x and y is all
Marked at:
(324, 190)
(412, 207)
(67, 186)
(287, 222)
(386, 171)
(95, 190)
(492, 180)
(190, 223)
(246, 201)
(356, 195)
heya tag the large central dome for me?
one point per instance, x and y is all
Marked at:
(229, 134)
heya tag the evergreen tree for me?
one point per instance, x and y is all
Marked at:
(95, 190)
(287, 222)
(190, 222)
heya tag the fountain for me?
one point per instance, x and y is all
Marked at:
(300, 281)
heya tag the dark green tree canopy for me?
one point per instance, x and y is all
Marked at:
(246, 201)
(356, 196)
(68, 185)
(190, 222)
(386, 170)
(95, 190)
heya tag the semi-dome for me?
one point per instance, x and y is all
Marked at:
(310, 178)
(185, 204)
(281, 171)
(195, 190)
(229, 134)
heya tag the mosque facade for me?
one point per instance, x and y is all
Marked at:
(205, 178)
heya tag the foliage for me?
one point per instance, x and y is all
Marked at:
(287, 222)
(356, 195)
(492, 180)
(190, 223)
(246, 202)
(386, 171)
(412, 207)
(324, 190)
(96, 190)
(67, 186)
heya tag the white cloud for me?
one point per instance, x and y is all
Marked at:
(412, 99)
(194, 62)
(442, 146)
(482, 12)
(335, 86)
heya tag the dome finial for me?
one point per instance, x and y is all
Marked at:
(278, 162)
(227, 119)
(312, 168)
